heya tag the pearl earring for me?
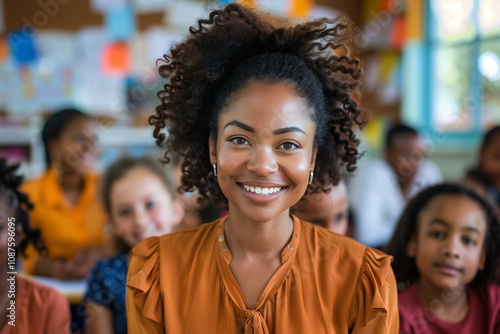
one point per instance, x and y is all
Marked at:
(214, 166)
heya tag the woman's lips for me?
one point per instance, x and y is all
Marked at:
(262, 194)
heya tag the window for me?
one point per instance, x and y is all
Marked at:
(462, 50)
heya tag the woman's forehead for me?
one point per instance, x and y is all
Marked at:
(273, 105)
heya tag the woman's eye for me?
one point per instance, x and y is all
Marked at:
(288, 146)
(239, 141)
(150, 205)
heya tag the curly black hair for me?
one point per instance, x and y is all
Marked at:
(9, 184)
(404, 266)
(236, 46)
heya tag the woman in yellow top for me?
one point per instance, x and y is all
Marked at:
(259, 112)
(67, 209)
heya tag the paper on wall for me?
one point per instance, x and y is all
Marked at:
(103, 6)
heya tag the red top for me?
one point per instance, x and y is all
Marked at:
(483, 315)
(38, 310)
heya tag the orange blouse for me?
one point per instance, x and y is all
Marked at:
(66, 229)
(38, 310)
(327, 283)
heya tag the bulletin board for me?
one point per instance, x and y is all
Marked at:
(67, 15)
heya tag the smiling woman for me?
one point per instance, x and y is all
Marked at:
(261, 114)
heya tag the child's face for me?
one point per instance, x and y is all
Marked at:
(264, 150)
(76, 146)
(449, 248)
(141, 206)
(328, 210)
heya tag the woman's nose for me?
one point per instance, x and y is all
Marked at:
(263, 161)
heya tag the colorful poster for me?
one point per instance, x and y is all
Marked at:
(22, 46)
(120, 23)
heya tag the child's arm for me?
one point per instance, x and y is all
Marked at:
(99, 319)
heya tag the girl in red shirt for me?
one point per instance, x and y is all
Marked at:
(446, 250)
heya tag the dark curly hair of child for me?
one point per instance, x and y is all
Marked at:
(9, 184)
(237, 46)
(404, 266)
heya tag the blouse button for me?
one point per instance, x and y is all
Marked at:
(295, 236)
(290, 247)
(224, 248)
(221, 238)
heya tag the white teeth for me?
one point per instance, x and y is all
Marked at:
(261, 191)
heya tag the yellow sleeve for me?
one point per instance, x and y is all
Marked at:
(143, 298)
(374, 308)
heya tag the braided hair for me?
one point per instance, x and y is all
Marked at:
(9, 184)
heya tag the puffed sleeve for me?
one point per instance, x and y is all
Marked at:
(374, 308)
(143, 299)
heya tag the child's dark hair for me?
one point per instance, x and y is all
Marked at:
(237, 46)
(404, 266)
(54, 126)
(9, 184)
(117, 170)
(489, 136)
(397, 131)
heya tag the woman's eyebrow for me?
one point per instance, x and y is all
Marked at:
(288, 129)
(240, 125)
(276, 132)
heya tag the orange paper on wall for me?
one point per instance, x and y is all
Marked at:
(116, 59)
(4, 49)
(301, 8)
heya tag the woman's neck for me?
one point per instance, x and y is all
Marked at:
(71, 181)
(72, 184)
(450, 305)
(249, 238)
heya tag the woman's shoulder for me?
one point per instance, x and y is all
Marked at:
(182, 241)
(346, 252)
(33, 185)
(175, 248)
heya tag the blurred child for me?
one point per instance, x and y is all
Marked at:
(485, 178)
(140, 197)
(447, 255)
(329, 210)
(67, 208)
(25, 306)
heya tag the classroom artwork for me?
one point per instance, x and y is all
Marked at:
(103, 6)
(22, 46)
(120, 23)
(148, 6)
